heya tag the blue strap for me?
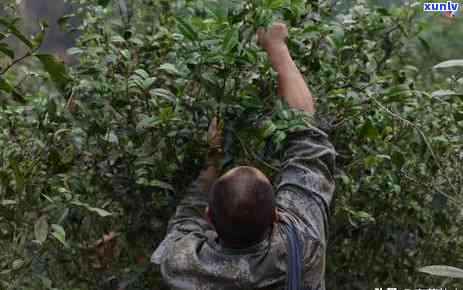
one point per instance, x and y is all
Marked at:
(294, 247)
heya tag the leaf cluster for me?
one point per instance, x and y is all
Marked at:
(96, 165)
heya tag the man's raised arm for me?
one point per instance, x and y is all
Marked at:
(291, 84)
(306, 184)
(189, 215)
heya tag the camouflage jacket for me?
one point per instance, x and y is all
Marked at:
(191, 257)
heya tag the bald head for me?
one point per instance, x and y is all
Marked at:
(242, 205)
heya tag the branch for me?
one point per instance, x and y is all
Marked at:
(253, 154)
(431, 186)
(425, 139)
(15, 62)
(388, 47)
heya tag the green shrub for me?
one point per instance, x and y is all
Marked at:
(91, 171)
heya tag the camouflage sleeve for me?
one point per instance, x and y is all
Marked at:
(187, 219)
(306, 183)
(189, 216)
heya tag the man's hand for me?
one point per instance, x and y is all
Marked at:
(274, 36)
(214, 134)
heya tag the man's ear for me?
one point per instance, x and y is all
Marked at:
(276, 217)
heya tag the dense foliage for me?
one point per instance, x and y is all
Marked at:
(94, 157)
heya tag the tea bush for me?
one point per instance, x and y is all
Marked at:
(92, 166)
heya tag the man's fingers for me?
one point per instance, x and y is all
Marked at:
(281, 26)
(214, 137)
(260, 33)
(280, 20)
(213, 126)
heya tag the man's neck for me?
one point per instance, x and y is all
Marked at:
(237, 245)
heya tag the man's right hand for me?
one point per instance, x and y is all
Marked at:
(275, 35)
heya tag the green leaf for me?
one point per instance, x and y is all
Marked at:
(449, 63)
(443, 93)
(99, 211)
(274, 4)
(187, 30)
(166, 113)
(155, 183)
(117, 39)
(230, 40)
(362, 216)
(441, 270)
(74, 51)
(59, 234)
(170, 68)
(411, 68)
(425, 44)
(17, 264)
(37, 39)
(41, 229)
(5, 85)
(398, 159)
(56, 70)
(5, 49)
(370, 161)
(165, 94)
(383, 11)
(217, 10)
(268, 128)
(440, 140)
(2, 36)
(142, 73)
(136, 41)
(368, 130)
(6, 202)
(458, 116)
(63, 21)
(146, 84)
(103, 3)
(126, 54)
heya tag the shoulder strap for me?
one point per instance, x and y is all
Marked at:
(294, 250)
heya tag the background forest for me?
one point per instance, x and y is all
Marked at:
(104, 112)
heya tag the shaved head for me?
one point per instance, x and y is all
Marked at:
(242, 206)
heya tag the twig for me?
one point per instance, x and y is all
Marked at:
(453, 200)
(425, 139)
(388, 47)
(29, 53)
